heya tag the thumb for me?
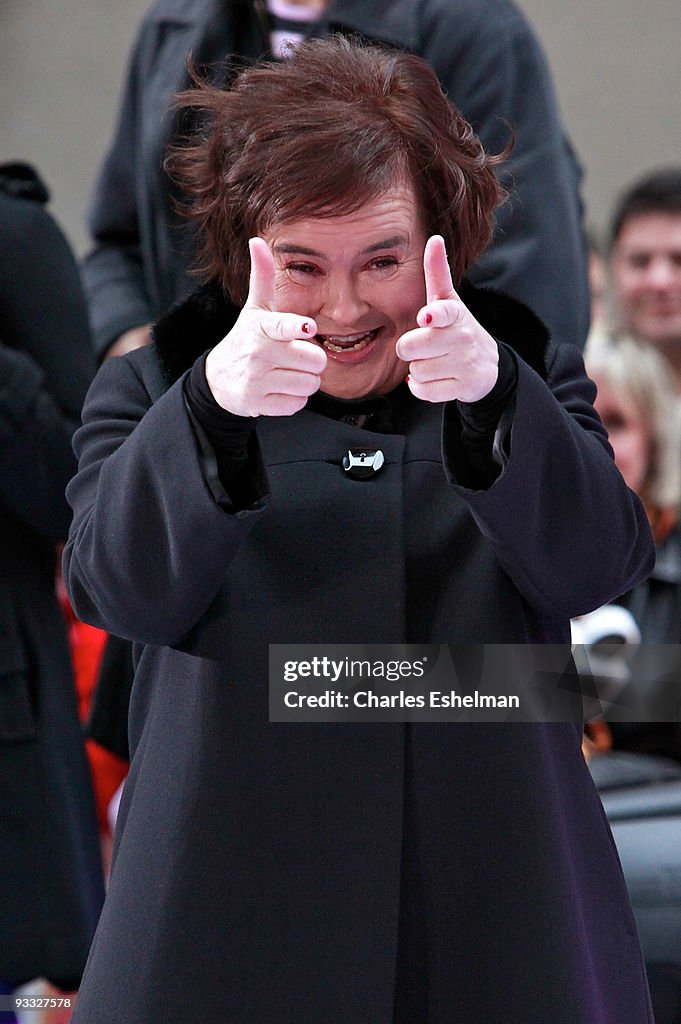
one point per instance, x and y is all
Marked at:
(261, 290)
(438, 276)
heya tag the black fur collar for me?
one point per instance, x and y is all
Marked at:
(202, 320)
(190, 328)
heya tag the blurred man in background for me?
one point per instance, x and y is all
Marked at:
(645, 263)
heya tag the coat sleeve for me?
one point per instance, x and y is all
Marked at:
(149, 543)
(561, 520)
(46, 364)
(113, 273)
(492, 66)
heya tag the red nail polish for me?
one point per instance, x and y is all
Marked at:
(306, 328)
(406, 379)
(428, 318)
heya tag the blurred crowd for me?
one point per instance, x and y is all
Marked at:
(64, 684)
(632, 355)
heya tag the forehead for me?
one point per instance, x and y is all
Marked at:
(650, 232)
(392, 217)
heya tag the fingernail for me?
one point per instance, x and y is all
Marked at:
(306, 329)
(406, 379)
(428, 319)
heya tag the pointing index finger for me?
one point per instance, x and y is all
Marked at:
(261, 286)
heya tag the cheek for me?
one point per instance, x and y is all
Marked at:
(628, 282)
(404, 301)
(640, 452)
(296, 298)
(632, 453)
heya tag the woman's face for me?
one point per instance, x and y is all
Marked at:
(629, 435)
(360, 276)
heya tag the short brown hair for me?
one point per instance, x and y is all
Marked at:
(333, 126)
(659, 191)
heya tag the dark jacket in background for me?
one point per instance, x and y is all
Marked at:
(341, 873)
(489, 62)
(51, 886)
(656, 605)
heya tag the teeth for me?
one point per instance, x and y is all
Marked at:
(345, 337)
(351, 342)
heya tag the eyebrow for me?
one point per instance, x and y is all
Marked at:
(288, 248)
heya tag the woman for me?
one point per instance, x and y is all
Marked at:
(373, 873)
(51, 885)
(640, 410)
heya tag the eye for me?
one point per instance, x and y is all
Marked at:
(639, 261)
(384, 263)
(301, 270)
(614, 423)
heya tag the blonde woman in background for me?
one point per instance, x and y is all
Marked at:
(642, 414)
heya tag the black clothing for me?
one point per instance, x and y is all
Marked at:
(51, 885)
(656, 606)
(271, 861)
(229, 434)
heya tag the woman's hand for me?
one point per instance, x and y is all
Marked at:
(450, 355)
(264, 366)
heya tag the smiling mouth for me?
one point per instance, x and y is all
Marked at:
(346, 342)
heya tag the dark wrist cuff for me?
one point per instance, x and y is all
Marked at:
(482, 417)
(227, 432)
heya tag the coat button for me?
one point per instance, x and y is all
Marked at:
(362, 463)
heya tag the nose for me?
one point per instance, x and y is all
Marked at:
(343, 305)
(661, 273)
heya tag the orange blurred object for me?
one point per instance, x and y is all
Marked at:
(87, 645)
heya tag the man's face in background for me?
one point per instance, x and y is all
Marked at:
(645, 271)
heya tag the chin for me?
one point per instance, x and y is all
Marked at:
(349, 385)
(346, 391)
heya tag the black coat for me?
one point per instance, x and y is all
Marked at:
(51, 886)
(489, 62)
(656, 606)
(298, 873)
